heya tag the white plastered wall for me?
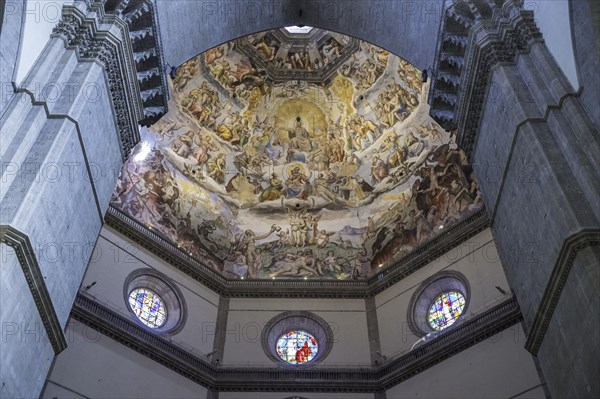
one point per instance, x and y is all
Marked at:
(248, 316)
(95, 366)
(498, 367)
(477, 259)
(115, 258)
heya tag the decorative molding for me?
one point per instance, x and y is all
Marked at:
(146, 46)
(289, 288)
(299, 379)
(165, 250)
(564, 262)
(490, 43)
(79, 28)
(475, 36)
(441, 244)
(35, 280)
(449, 343)
(133, 60)
(127, 332)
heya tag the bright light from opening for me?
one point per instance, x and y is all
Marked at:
(298, 29)
(143, 152)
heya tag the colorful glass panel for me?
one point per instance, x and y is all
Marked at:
(297, 347)
(148, 307)
(446, 308)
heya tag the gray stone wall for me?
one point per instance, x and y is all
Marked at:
(585, 17)
(25, 351)
(536, 160)
(60, 156)
(409, 29)
(60, 167)
(571, 342)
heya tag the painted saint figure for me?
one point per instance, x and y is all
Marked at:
(273, 192)
(300, 138)
(297, 184)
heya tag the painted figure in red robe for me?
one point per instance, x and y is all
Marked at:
(303, 353)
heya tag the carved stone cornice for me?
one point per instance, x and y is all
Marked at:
(124, 36)
(564, 262)
(475, 36)
(314, 379)
(144, 33)
(490, 43)
(103, 38)
(35, 280)
(292, 288)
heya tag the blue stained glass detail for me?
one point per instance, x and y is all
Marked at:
(148, 307)
(446, 309)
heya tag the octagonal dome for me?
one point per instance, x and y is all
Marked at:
(272, 165)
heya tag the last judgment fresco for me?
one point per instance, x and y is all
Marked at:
(290, 156)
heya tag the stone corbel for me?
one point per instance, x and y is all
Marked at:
(499, 41)
(104, 38)
(475, 36)
(125, 37)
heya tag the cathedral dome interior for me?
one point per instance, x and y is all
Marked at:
(299, 199)
(297, 155)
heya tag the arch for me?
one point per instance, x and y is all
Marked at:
(408, 29)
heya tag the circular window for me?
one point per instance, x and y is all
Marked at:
(297, 347)
(438, 303)
(148, 307)
(445, 309)
(297, 338)
(155, 301)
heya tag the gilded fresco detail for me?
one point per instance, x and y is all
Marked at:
(262, 178)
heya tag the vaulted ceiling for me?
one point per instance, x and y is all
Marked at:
(297, 154)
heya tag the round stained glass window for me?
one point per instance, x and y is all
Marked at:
(446, 309)
(148, 307)
(297, 347)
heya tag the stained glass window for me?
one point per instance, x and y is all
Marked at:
(148, 307)
(297, 347)
(445, 309)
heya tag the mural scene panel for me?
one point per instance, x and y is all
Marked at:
(264, 176)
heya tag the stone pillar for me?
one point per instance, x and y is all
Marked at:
(220, 331)
(377, 358)
(536, 155)
(65, 133)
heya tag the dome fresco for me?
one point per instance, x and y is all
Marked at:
(297, 156)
